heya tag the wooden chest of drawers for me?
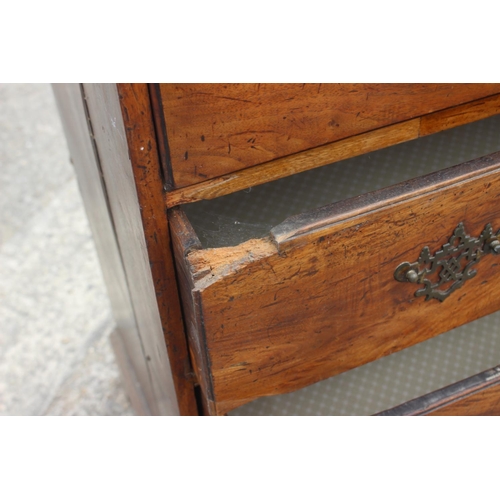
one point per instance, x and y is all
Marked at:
(205, 329)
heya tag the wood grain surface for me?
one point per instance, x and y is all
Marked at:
(279, 314)
(484, 402)
(299, 162)
(184, 240)
(476, 395)
(366, 142)
(216, 129)
(460, 115)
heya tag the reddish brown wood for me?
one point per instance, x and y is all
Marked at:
(184, 241)
(339, 150)
(143, 153)
(460, 115)
(321, 298)
(215, 129)
(299, 162)
(317, 297)
(482, 403)
(476, 395)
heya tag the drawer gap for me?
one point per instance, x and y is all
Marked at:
(418, 380)
(238, 217)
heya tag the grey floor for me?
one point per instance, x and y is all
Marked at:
(55, 319)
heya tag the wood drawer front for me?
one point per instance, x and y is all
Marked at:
(216, 129)
(318, 297)
(474, 396)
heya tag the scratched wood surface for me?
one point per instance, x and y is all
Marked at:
(184, 240)
(318, 297)
(342, 149)
(215, 129)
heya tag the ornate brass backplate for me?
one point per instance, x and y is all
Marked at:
(452, 265)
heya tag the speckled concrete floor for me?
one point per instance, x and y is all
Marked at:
(55, 318)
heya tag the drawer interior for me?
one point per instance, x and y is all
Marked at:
(394, 379)
(235, 218)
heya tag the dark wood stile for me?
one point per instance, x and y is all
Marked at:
(162, 138)
(476, 395)
(319, 296)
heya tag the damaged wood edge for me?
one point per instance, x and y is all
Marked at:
(440, 399)
(198, 268)
(207, 266)
(188, 239)
(214, 264)
(315, 220)
(185, 241)
(336, 151)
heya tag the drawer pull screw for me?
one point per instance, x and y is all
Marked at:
(453, 263)
(412, 276)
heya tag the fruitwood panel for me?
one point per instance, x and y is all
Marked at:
(476, 395)
(215, 129)
(459, 115)
(337, 151)
(482, 403)
(321, 297)
(300, 162)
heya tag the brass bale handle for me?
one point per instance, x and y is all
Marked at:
(452, 263)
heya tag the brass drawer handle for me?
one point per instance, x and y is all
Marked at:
(453, 263)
